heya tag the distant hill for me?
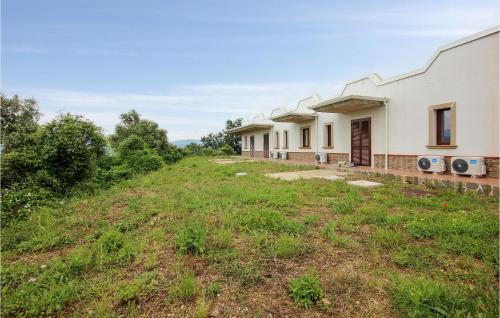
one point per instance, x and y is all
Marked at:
(184, 142)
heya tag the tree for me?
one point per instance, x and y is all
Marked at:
(134, 157)
(147, 130)
(219, 139)
(19, 119)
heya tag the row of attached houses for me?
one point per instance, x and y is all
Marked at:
(448, 108)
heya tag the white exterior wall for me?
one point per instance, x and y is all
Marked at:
(466, 74)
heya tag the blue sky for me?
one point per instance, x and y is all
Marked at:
(190, 65)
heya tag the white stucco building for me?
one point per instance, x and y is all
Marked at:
(448, 107)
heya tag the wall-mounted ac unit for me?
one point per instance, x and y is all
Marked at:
(431, 163)
(321, 157)
(274, 155)
(283, 155)
(474, 166)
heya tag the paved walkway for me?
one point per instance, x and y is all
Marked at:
(489, 186)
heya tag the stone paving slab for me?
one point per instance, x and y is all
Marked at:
(364, 183)
(308, 174)
(229, 161)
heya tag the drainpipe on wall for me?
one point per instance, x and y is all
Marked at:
(386, 103)
(317, 135)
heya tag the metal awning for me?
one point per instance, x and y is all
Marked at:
(247, 128)
(347, 104)
(293, 117)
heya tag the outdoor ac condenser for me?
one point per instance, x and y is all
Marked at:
(283, 155)
(431, 163)
(274, 155)
(474, 166)
(321, 157)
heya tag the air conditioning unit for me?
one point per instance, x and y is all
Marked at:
(431, 163)
(474, 166)
(274, 155)
(283, 155)
(321, 157)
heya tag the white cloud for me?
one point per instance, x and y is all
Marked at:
(188, 111)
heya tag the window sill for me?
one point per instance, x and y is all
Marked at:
(304, 147)
(326, 147)
(441, 146)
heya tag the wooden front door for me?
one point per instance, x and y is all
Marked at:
(361, 142)
(252, 146)
(266, 145)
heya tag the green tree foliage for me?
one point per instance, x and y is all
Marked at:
(50, 163)
(135, 157)
(19, 119)
(218, 140)
(149, 131)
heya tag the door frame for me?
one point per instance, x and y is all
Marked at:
(265, 145)
(252, 146)
(369, 120)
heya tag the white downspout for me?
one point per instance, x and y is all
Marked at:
(317, 135)
(386, 103)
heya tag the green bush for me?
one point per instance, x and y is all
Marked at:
(306, 290)
(191, 238)
(135, 157)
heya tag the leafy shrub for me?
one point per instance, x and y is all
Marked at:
(135, 157)
(306, 290)
(191, 238)
(226, 150)
(419, 297)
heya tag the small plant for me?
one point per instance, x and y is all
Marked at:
(346, 204)
(311, 219)
(387, 238)
(287, 246)
(186, 287)
(328, 230)
(213, 288)
(420, 297)
(129, 292)
(306, 290)
(191, 239)
(111, 241)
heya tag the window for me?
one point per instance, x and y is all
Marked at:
(328, 136)
(443, 126)
(285, 139)
(276, 140)
(305, 138)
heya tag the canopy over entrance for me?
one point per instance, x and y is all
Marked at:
(248, 128)
(293, 117)
(347, 104)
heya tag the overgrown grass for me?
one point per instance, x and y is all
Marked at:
(192, 238)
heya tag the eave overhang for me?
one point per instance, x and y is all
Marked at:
(348, 104)
(293, 117)
(247, 128)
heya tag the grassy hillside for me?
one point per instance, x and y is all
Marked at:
(193, 239)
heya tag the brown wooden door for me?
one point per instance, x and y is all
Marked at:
(361, 142)
(266, 145)
(252, 146)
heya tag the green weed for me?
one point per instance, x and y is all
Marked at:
(306, 290)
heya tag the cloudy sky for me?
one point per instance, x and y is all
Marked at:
(190, 65)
